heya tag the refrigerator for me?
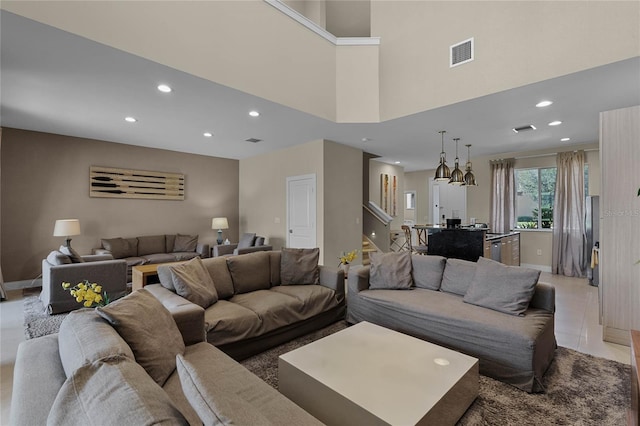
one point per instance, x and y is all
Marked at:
(592, 228)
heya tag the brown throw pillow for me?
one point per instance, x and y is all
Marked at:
(390, 271)
(193, 282)
(149, 329)
(299, 266)
(121, 247)
(185, 243)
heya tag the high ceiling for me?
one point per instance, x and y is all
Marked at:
(53, 81)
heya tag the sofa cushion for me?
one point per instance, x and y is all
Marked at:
(149, 329)
(507, 289)
(249, 272)
(274, 262)
(85, 337)
(315, 299)
(390, 270)
(185, 243)
(427, 271)
(299, 266)
(112, 391)
(121, 247)
(457, 276)
(156, 258)
(219, 272)
(73, 255)
(151, 244)
(184, 255)
(135, 261)
(58, 258)
(213, 403)
(192, 281)
(169, 240)
(274, 309)
(247, 240)
(227, 322)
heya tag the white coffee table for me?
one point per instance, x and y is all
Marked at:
(370, 375)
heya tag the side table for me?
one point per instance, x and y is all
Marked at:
(140, 274)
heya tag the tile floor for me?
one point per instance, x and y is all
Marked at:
(577, 327)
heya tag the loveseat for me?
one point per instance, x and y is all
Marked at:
(249, 243)
(128, 365)
(152, 249)
(248, 303)
(499, 314)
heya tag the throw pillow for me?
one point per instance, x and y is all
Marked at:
(299, 266)
(219, 272)
(149, 329)
(391, 271)
(250, 272)
(214, 405)
(185, 243)
(427, 271)
(507, 289)
(247, 240)
(193, 282)
(121, 247)
(57, 258)
(113, 391)
(151, 244)
(457, 276)
(73, 255)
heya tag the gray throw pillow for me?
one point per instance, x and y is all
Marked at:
(250, 272)
(193, 282)
(73, 255)
(507, 289)
(457, 276)
(390, 271)
(214, 405)
(113, 391)
(427, 271)
(247, 240)
(149, 330)
(219, 272)
(57, 258)
(121, 247)
(185, 243)
(299, 266)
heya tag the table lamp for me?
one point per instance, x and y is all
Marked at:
(219, 223)
(66, 228)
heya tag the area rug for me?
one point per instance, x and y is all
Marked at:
(36, 320)
(580, 390)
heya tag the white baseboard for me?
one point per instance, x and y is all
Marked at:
(19, 285)
(543, 268)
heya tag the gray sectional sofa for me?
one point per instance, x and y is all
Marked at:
(152, 249)
(259, 299)
(498, 314)
(249, 243)
(129, 365)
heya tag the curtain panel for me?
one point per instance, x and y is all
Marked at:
(569, 237)
(502, 214)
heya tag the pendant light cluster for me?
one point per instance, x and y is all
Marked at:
(444, 174)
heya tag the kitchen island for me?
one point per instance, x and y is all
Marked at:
(472, 243)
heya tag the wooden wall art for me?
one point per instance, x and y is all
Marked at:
(388, 193)
(109, 182)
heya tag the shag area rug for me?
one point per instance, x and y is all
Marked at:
(580, 389)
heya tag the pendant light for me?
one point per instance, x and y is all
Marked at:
(442, 172)
(457, 177)
(469, 178)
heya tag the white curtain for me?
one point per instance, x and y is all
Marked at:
(502, 215)
(569, 237)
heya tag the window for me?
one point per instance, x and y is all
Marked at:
(535, 193)
(410, 200)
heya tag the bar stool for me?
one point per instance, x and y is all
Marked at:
(419, 249)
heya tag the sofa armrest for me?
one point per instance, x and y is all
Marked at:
(224, 249)
(253, 249)
(358, 279)
(544, 297)
(188, 316)
(334, 279)
(203, 250)
(101, 251)
(97, 257)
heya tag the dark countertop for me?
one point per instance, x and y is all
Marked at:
(492, 236)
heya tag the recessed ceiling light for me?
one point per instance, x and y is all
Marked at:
(130, 119)
(543, 104)
(396, 162)
(207, 134)
(555, 123)
(164, 88)
(254, 113)
(565, 139)
(366, 139)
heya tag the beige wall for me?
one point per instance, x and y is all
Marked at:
(516, 43)
(419, 182)
(46, 177)
(338, 171)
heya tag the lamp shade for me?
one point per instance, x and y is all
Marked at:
(66, 227)
(219, 223)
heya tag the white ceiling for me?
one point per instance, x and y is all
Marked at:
(53, 81)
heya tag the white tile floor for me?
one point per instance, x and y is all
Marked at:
(577, 327)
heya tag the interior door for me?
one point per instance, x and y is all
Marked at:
(301, 211)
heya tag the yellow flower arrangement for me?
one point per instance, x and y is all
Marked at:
(89, 294)
(349, 257)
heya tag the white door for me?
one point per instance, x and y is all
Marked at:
(435, 203)
(448, 200)
(301, 211)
